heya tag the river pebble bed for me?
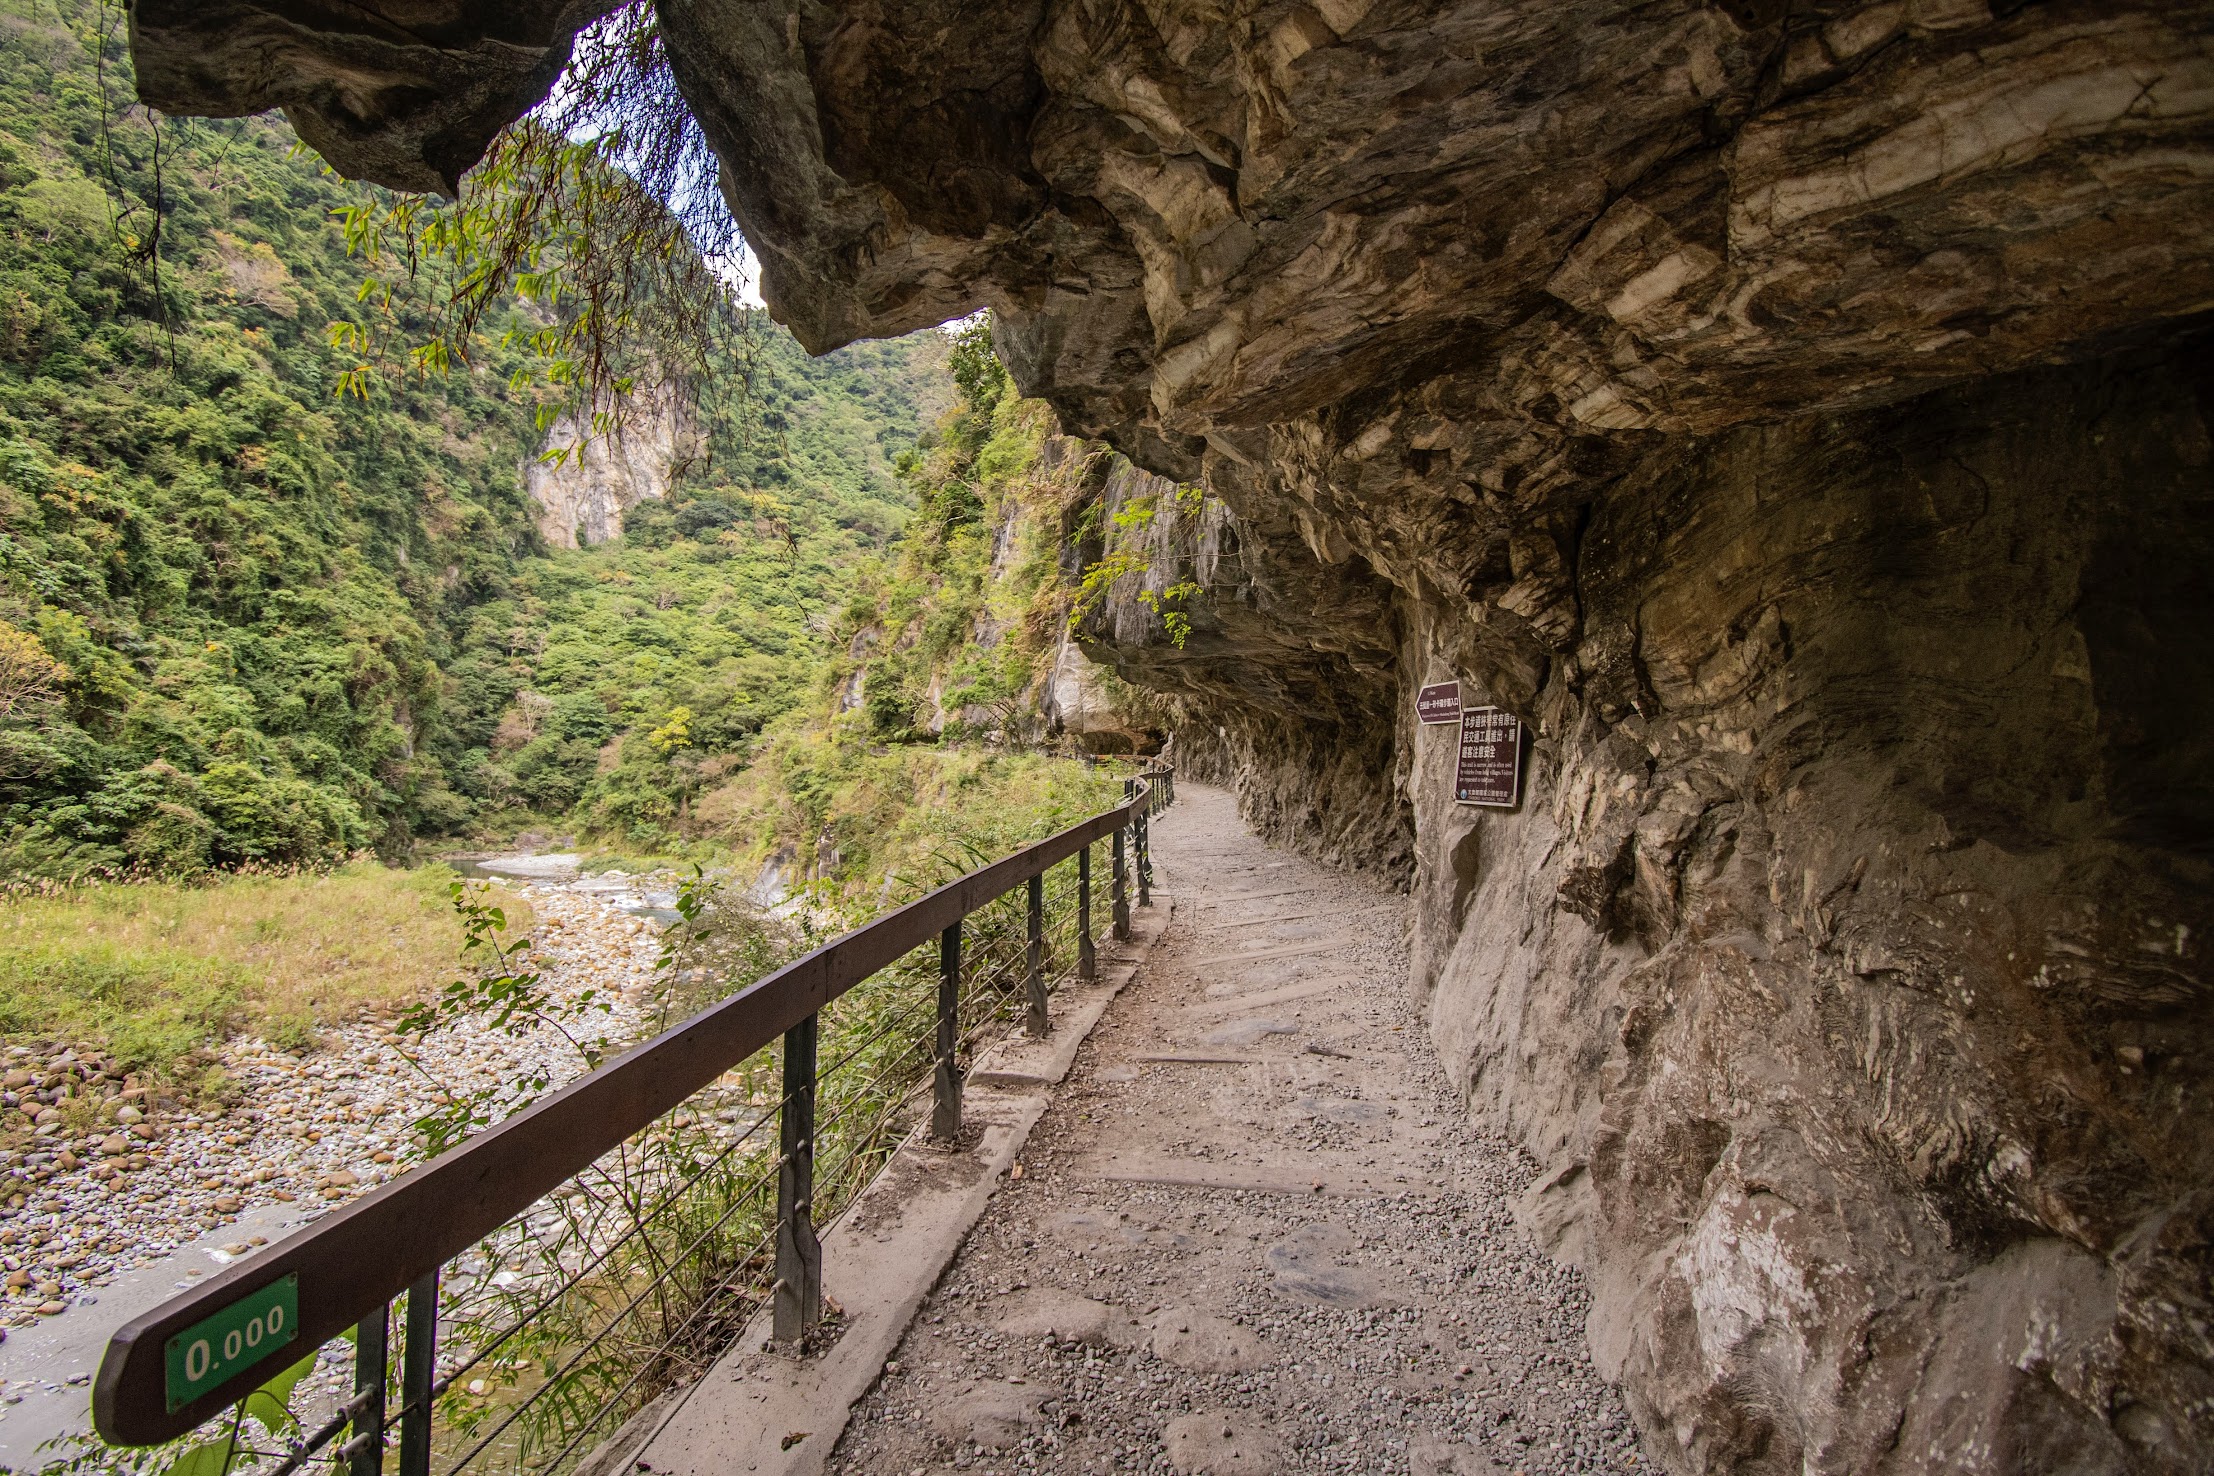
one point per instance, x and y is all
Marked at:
(141, 1175)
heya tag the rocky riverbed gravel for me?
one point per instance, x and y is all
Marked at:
(91, 1193)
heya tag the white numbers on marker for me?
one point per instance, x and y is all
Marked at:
(200, 1357)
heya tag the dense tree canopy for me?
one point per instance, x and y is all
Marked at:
(247, 618)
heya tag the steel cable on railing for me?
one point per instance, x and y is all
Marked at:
(636, 1229)
(295, 1459)
(446, 1382)
(919, 1007)
(298, 1457)
(1014, 973)
(896, 1064)
(979, 1025)
(737, 1202)
(999, 981)
(857, 1098)
(823, 1127)
(632, 1382)
(1004, 989)
(1024, 939)
(982, 951)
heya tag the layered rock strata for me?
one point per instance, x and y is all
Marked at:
(1796, 413)
(408, 93)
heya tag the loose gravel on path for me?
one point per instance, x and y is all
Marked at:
(1280, 1249)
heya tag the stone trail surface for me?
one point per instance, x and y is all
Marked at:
(98, 1226)
(1254, 1232)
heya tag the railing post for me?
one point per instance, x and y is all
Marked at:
(1037, 1020)
(1144, 856)
(1121, 890)
(799, 1255)
(363, 1451)
(945, 1105)
(418, 1361)
(1087, 959)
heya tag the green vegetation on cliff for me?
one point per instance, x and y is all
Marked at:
(922, 745)
(955, 630)
(245, 618)
(607, 684)
(221, 585)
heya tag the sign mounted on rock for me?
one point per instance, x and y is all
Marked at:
(1489, 770)
(1439, 704)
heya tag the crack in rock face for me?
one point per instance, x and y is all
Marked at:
(1795, 414)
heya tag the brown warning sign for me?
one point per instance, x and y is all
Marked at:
(1439, 704)
(1489, 771)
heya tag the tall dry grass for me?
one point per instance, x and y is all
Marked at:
(148, 971)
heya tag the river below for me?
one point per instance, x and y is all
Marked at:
(301, 1135)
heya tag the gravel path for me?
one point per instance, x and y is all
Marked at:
(1254, 1232)
(311, 1132)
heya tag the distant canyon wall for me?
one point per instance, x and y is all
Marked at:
(582, 496)
(1797, 414)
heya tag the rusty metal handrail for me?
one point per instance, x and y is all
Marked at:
(354, 1263)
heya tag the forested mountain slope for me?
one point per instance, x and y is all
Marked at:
(949, 665)
(246, 618)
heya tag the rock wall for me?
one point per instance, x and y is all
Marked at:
(1844, 961)
(582, 498)
(1285, 684)
(1794, 410)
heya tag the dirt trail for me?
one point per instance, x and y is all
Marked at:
(1253, 1232)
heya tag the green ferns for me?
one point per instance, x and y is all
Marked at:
(1123, 560)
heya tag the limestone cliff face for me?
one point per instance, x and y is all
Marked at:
(1797, 412)
(582, 498)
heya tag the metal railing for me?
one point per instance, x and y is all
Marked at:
(172, 1369)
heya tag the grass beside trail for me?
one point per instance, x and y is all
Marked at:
(901, 817)
(149, 971)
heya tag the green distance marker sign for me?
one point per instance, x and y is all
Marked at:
(238, 1337)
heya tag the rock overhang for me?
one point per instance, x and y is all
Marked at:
(407, 95)
(1196, 219)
